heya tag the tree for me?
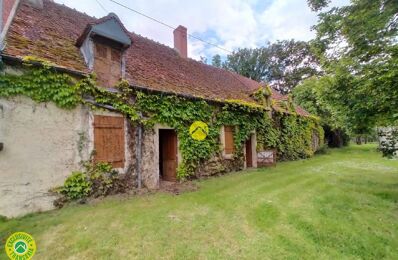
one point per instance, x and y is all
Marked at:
(291, 63)
(251, 63)
(216, 61)
(203, 59)
(283, 64)
(357, 45)
(309, 95)
(317, 5)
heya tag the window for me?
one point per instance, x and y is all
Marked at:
(109, 140)
(107, 65)
(229, 146)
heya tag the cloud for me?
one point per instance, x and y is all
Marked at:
(231, 24)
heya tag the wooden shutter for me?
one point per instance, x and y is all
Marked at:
(109, 140)
(229, 139)
(115, 67)
(107, 65)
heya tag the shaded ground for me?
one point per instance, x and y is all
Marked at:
(340, 205)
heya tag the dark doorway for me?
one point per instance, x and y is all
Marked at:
(249, 154)
(168, 154)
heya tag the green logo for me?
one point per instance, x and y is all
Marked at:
(20, 246)
(199, 130)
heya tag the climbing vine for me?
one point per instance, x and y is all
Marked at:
(290, 134)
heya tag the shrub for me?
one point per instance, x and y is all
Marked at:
(97, 179)
(324, 149)
(103, 178)
(3, 218)
(388, 141)
(76, 186)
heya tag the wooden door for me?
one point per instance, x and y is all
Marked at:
(249, 154)
(168, 154)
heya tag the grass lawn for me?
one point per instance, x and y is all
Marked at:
(340, 205)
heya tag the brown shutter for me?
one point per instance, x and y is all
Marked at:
(107, 65)
(229, 139)
(109, 140)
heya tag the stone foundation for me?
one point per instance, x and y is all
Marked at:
(218, 165)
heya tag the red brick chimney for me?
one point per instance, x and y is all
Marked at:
(180, 41)
(7, 6)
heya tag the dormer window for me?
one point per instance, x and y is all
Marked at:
(107, 64)
(102, 45)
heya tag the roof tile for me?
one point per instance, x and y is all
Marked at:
(51, 33)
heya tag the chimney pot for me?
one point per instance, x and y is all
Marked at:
(180, 41)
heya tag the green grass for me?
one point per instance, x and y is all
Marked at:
(342, 205)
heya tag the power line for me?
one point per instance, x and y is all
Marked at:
(103, 8)
(169, 26)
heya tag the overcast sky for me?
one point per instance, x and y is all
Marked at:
(231, 24)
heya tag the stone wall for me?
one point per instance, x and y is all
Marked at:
(41, 148)
(43, 144)
(219, 165)
(149, 157)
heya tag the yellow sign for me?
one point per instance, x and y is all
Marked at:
(199, 130)
(21, 246)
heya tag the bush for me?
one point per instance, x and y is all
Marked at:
(324, 149)
(76, 186)
(3, 218)
(388, 141)
(103, 178)
(97, 179)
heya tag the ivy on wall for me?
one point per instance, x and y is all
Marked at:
(290, 134)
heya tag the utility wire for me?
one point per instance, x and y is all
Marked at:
(169, 26)
(103, 8)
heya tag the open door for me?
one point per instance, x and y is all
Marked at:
(168, 154)
(249, 153)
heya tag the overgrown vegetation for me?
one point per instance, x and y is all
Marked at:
(96, 180)
(289, 133)
(282, 64)
(357, 46)
(389, 141)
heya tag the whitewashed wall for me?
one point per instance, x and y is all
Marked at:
(43, 144)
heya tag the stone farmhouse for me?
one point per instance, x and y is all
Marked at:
(41, 142)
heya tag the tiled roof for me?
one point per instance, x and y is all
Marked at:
(51, 33)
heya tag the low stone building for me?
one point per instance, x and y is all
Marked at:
(42, 142)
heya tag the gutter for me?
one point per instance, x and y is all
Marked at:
(16, 60)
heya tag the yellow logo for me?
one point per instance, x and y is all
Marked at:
(199, 130)
(21, 246)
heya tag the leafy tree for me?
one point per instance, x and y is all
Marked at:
(317, 5)
(357, 45)
(216, 61)
(251, 63)
(291, 63)
(309, 95)
(203, 59)
(283, 64)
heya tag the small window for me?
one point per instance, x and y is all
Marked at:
(109, 140)
(229, 139)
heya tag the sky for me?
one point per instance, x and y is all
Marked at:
(230, 24)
